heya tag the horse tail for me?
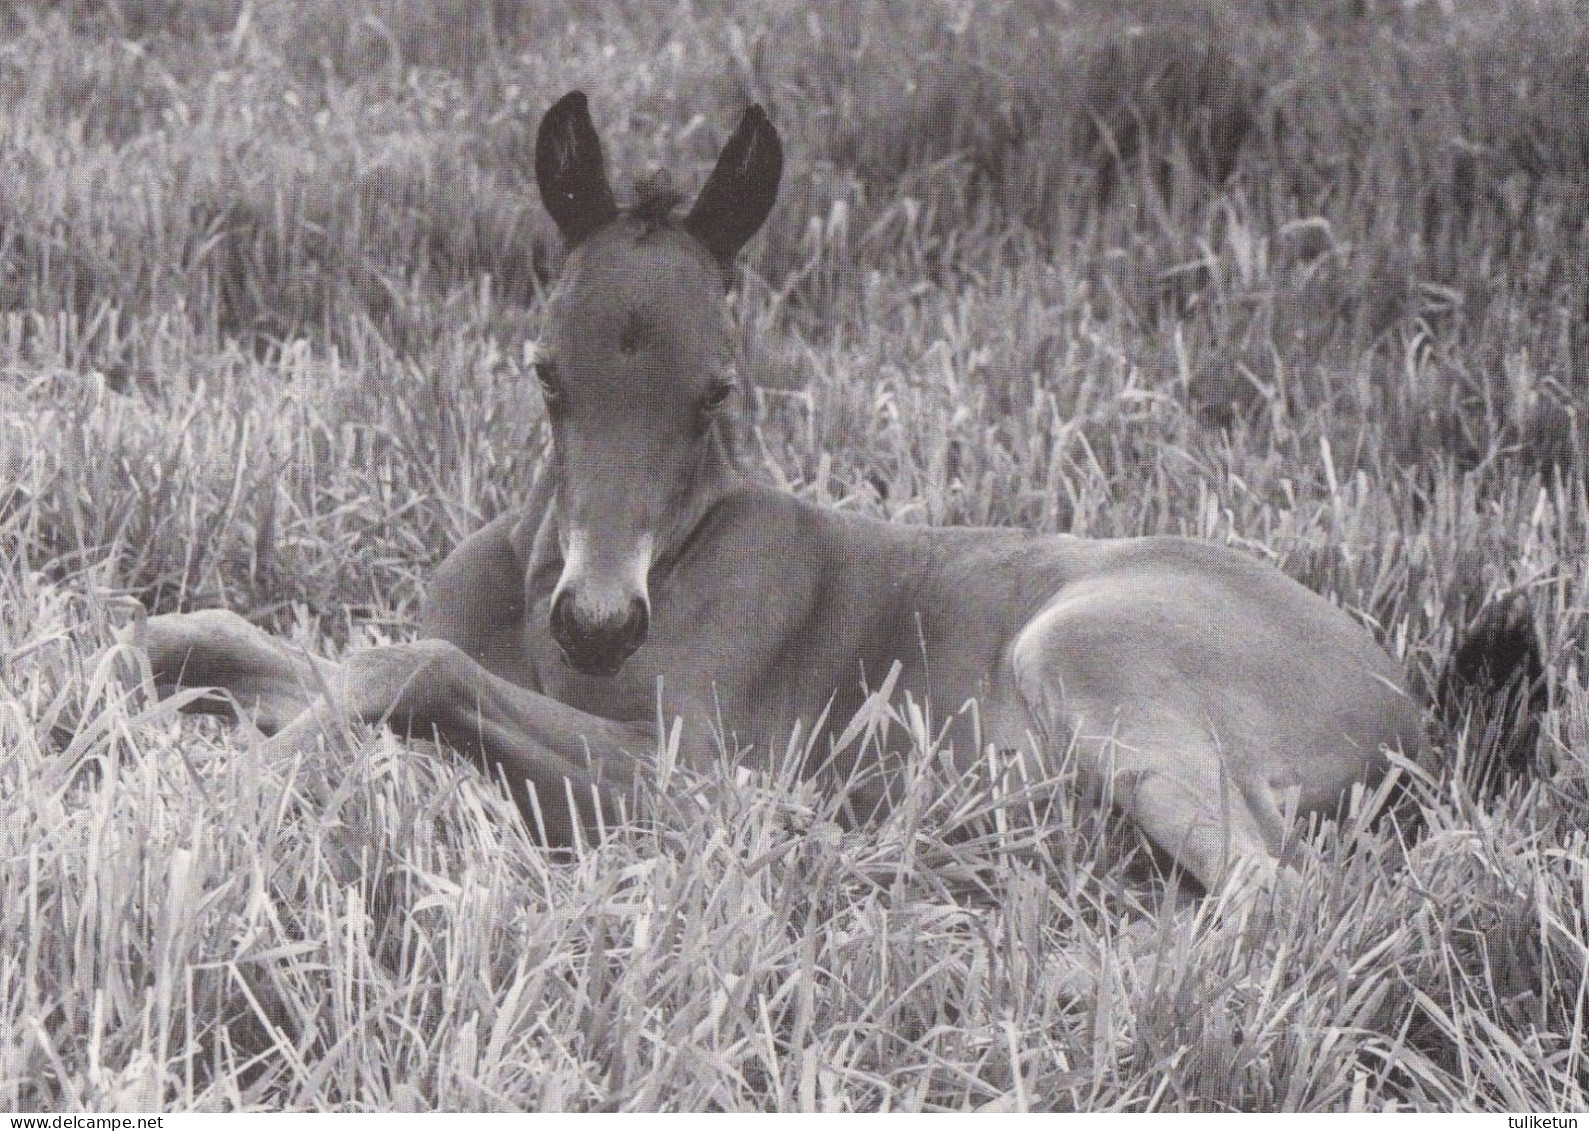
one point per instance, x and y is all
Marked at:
(1493, 688)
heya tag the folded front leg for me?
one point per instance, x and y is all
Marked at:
(565, 769)
(270, 680)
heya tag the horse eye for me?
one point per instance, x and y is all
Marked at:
(546, 374)
(717, 395)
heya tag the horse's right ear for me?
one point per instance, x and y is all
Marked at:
(570, 170)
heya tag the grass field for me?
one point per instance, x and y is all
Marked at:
(1310, 277)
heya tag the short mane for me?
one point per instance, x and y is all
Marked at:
(656, 198)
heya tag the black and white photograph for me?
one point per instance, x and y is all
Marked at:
(767, 556)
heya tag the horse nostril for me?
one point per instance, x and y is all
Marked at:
(636, 625)
(564, 630)
(599, 645)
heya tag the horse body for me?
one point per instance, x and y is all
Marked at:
(1194, 682)
(1204, 694)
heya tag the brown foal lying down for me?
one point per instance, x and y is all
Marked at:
(1205, 693)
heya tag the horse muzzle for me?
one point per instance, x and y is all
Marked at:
(598, 643)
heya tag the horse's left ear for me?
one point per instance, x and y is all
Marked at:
(737, 197)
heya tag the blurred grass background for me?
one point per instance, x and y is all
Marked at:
(1307, 276)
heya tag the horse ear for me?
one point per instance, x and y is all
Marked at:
(570, 170)
(738, 195)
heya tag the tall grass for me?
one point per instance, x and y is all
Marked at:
(1307, 277)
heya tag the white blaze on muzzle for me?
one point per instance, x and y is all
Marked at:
(602, 588)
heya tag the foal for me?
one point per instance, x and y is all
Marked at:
(1205, 693)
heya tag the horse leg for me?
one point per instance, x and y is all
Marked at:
(566, 770)
(570, 773)
(1187, 802)
(1143, 751)
(267, 678)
